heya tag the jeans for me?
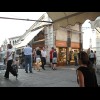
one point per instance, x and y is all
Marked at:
(76, 62)
(28, 60)
(43, 59)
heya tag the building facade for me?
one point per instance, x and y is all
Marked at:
(14, 40)
(49, 38)
(66, 42)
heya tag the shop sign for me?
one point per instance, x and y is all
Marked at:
(61, 43)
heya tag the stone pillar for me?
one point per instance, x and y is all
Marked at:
(49, 40)
(98, 54)
(68, 44)
(81, 37)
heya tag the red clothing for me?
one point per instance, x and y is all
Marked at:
(51, 52)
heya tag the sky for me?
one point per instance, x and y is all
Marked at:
(87, 35)
(11, 28)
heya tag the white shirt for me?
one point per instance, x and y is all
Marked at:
(91, 55)
(10, 54)
(27, 50)
(43, 53)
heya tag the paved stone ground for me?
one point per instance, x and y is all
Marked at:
(62, 77)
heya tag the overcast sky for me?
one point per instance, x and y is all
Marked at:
(10, 28)
(88, 34)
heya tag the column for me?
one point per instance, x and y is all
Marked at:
(81, 37)
(68, 44)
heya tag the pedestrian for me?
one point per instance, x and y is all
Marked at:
(69, 58)
(43, 58)
(86, 76)
(91, 56)
(51, 53)
(34, 58)
(95, 58)
(76, 57)
(54, 60)
(38, 58)
(22, 59)
(28, 58)
(9, 61)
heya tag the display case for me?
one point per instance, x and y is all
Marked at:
(72, 62)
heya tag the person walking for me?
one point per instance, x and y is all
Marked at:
(86, 76)
(51, 56)
(76, 57)
(34, 58)
(43, 58)
(9, 61)
(54, 60)
(95, 58)
(91, 56)
(28, 58)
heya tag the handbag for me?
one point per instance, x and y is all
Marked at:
(14, 68)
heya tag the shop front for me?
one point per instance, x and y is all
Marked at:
(62, 51)
(74, 47)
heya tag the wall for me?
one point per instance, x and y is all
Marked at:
(98, 47)
(62, 36)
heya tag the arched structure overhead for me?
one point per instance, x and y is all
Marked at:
(62, 19)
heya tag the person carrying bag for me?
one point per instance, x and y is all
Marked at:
(9, 61)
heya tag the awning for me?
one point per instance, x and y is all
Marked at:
(28, 38)
(62, 19)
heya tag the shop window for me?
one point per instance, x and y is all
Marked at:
(61, 56)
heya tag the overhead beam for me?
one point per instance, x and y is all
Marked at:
(24, 19)
(75, 14)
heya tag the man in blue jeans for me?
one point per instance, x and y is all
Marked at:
(28, 58)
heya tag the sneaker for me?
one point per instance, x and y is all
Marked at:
(26, 71)
(54, 68)
(31, 72)
(43, 68)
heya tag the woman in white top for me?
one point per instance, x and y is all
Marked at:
(9, 61)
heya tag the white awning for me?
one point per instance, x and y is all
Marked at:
(28, 38)
(62, 19)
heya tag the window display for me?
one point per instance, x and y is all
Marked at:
(72, 55)
(62, 56)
